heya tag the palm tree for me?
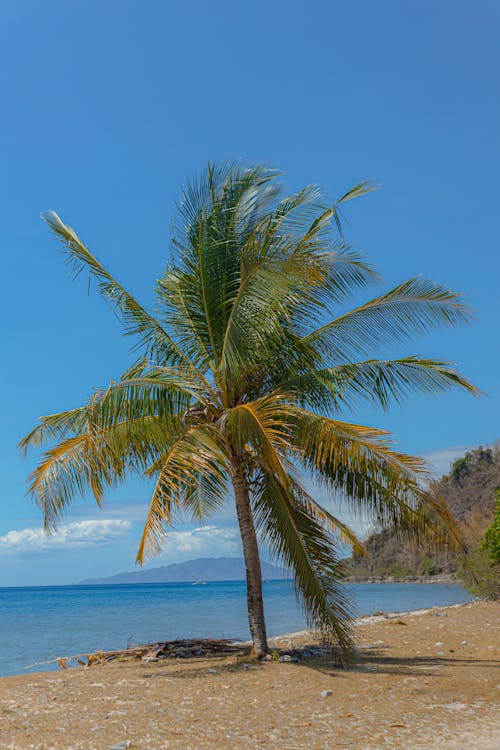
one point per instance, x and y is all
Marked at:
(243, 375)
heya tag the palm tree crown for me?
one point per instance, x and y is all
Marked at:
(244, 371)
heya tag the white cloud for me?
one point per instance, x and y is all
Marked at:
(68, 536)
(205, 541)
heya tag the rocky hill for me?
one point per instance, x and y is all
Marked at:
(469, 489)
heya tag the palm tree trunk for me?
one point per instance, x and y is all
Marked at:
(252, 560)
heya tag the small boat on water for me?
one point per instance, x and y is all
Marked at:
(199, 583)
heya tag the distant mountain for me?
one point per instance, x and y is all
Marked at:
(201, 569)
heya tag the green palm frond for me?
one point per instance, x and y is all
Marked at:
(292, 212)
(255, 326)
(362, 188)
(221, 209)
(136, 319)
(55, 427)
(173, 294)
(383, 381)
(156, 392)
(379, 381)
(347, 271)
(285, 285)
(413, 308)
(357, 191)
(302, 544)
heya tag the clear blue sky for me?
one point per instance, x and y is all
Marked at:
(108, 106)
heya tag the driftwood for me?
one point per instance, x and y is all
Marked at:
(178, 649)
(182, 649)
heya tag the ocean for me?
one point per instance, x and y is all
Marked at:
(45, 622)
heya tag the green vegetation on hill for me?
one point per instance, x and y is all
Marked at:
(470, 490)
(491, 540)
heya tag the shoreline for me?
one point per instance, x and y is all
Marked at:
(39, 651)
(366, 620)
(424, 678)
(145, 648)
(74, 660)
(438, 579)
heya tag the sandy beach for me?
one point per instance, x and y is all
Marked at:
(423, 680)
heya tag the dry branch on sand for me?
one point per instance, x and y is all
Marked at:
(177, 649)
(181, 649)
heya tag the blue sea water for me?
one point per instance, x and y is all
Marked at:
(41, 623)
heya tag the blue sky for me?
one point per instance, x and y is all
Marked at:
(108, 107)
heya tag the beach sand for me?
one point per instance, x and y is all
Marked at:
(424, 680)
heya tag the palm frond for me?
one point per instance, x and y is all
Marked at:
(97, 458)
(359, 464)
(281, 290)
(136, 319)
(333, 524)
(260, 428)
(362, 188)
(55, 427)
(413, 308)
(357, 191)
(191, 472)
(375, 380)
(173, 294)
(161, 393)
(304, 546)
(69, 470)
(231, 288)
(217, 213)
(331, 442)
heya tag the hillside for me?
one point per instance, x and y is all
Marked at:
(469, 489)
(201, 569)
(470, 486)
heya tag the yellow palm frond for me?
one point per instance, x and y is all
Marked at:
(260, 427)
(193, 458)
